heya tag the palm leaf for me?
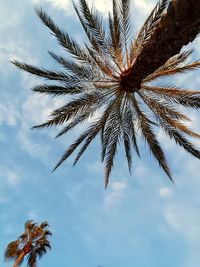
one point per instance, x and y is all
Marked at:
(172, 71)
(161, 104)
(161, 114)
(176, 60)
(181, 140)
(72, 147)
(150, 137)
(12, 251)
(116, 33)
(126, 25)
(64, 39)
(93, 27)
(72, 109)
(148, 28)
(48, 74)
(58, 90)
(127, 146)
(111, 152)
(81, 118)
(129, 126)
(82, 71)
(187, 98)
(108, 127)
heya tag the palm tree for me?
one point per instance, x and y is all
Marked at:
(98, 76)
(32, 244)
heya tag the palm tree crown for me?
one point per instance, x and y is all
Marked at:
(96, 75)
(33, 243)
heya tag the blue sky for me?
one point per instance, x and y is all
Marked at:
(140, 220)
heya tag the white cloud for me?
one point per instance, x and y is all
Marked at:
(8, 115)
(102, 6)
(165, 192)
(33, 215)
(64, 4)
(95, 167)
(35, 110)
(185, 219)
(114, 195)
(61, 4)
(10, 177)
(145, 5)
(13, 45)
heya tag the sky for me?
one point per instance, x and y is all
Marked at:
(141, 219)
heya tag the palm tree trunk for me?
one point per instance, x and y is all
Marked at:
(179, 26)
(19, 259)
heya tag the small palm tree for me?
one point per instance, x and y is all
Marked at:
(32, 244)
(98, 75)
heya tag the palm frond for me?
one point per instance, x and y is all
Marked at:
(72, 109)
(127, 146)
(174, 129)
(150, 137)
(176, 60)
(106, 134)
(29, 225)
(170, 91)
(47, 233)
(116, 33)
(126, 25)
(31, 259)
(129, 126)
(111, 152)
(148, 27)
(56, 90)
(48, 74)
(93, 27)
(98, 126)
(81, 118)
(189, 101)
(24, 237)
(172, 71)
(161, 114)
(72, 147)
(187, 98)
(81, 70)
(12, 251)
(181, 140)
(86, 28)
(104, 65)
(161, 104)
(95, 30)
(64, 39)
(44, 224)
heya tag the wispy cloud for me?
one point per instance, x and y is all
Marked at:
(60, 4)
(8, 115)
(165, 192)
(9, 177)
(115, 195)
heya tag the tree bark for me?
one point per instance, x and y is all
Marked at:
(19, 259)
(178, 27)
